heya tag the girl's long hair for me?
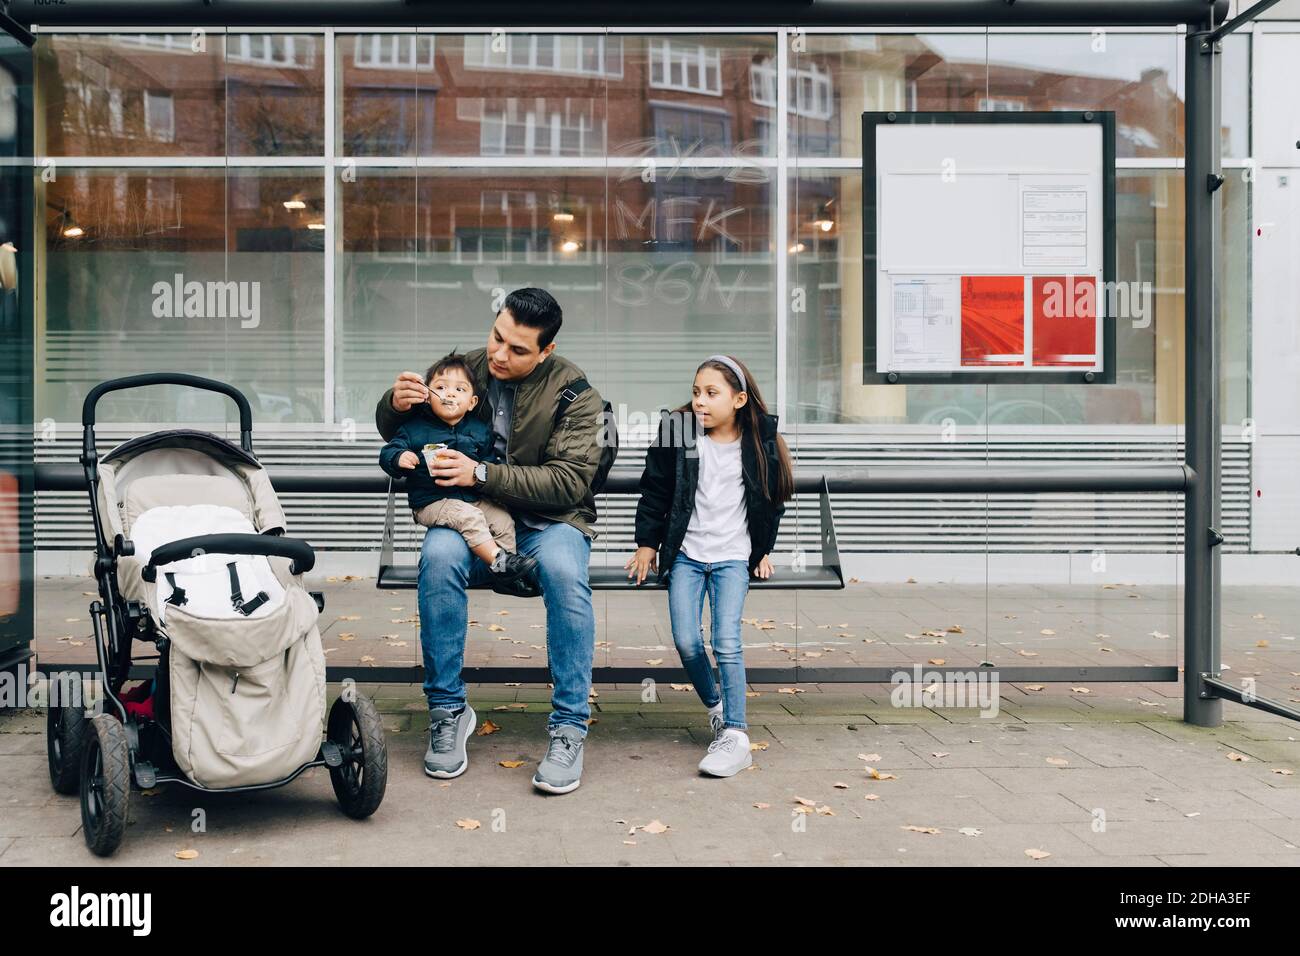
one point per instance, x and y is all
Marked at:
(779, 487)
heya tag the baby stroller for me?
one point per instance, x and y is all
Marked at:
(191, 557)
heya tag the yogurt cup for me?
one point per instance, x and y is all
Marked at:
(431, 453)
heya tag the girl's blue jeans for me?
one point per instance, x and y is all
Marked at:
(726, 583)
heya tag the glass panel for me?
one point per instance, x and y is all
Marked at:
(690, 96)
(1149, 344)
(509, 95)
(276, 90)
(942, 71)
(424, 259)
(385, 87)
(144, 94)
(150, 269)
(1134, 74)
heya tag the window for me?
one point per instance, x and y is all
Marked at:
(271, 49)
(992, 104)
(163, 41)
(159, 116)
(688, 67)
(533, 127)
(394, 51)
(809, 93)
(692, 129)
(584, 55)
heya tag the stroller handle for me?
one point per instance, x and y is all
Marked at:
(164, 378)
(304, 558)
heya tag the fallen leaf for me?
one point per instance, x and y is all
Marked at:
(1283, 771)
(187, 854)
(875, 774)
(916, 829)
(840, 786)
(938, 661)
(804, 802)
(758, 745)
(1239, 758)
(468, 824)
(826, 811)
(1034, 687)
(761, 806)
(1080, 690)
(1024, 653)
(487, 728)
(511, 764)
(654, 826)
(1058, 761)
(870, 758)
(969, 831)
(871, 796)
(495, 627)
(1048, 631)
(939, 753)
(1037, 854)
(346, 636)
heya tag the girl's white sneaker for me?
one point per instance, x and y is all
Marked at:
(728, 754)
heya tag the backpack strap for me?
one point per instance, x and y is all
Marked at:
(568, 397)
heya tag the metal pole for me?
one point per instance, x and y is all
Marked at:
(1201, 538)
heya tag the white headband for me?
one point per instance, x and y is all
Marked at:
(731, 365)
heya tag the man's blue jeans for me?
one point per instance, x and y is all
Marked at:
(727, 583)
(447, 568)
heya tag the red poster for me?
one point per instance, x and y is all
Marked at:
(993, 320)
(1065, 320)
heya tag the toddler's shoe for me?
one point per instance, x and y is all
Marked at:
(514, 574)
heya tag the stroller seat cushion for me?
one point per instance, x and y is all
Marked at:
(156, 491)
(206, 584)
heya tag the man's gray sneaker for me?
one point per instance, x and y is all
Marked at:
(448, 732)
(561, 769)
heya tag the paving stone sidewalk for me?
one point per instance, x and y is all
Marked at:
(1105, 778)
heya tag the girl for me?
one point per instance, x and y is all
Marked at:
(714, 488)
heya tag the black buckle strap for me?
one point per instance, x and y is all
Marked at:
(177, 597)
(237, 598)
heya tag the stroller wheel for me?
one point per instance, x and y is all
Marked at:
(105, 784)
(65, 731)
(360, 781)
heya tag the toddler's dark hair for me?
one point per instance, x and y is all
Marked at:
(452, 360)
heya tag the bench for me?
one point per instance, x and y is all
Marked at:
(825, 574)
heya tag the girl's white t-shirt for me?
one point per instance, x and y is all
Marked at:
(719, 528)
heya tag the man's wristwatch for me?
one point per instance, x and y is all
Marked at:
(480, 474)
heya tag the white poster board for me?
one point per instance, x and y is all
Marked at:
(988, 246)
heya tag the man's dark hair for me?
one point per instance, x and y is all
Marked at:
(452, 360)
(537, 309)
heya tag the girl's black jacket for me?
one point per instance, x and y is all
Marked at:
(668, 490)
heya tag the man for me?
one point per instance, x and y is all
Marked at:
(546, 483)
